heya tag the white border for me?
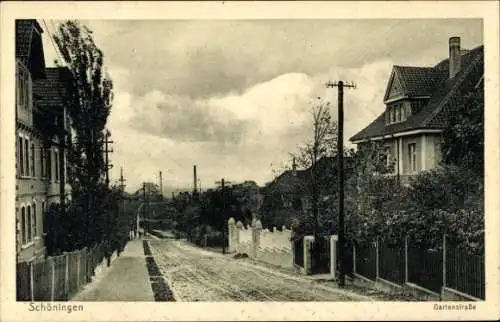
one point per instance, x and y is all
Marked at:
(488, 10)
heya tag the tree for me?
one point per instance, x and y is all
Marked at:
(463, 137)
(371, 198)
(89, 105)
(320, 146)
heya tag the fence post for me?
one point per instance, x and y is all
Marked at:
(66, 276)
(406, 259)
(32, 282)
(377, 258)
(353, 257)
(333, 255)
(78, 259)
(53, 282)
(444, 260)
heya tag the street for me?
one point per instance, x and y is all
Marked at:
(194, 274)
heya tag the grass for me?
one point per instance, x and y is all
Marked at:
(161, 290)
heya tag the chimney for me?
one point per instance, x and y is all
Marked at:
(455, 56)
(195, 180)
(294, 167)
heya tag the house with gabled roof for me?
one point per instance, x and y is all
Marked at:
(418, 103)
(42, 127)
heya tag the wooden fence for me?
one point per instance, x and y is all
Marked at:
(57, 278)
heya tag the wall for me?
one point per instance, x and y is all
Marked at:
(273, 247)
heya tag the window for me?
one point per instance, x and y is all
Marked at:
(42, 164)
(388, 156)
(412, 156)
(23, 225)
(34, 220)
(22, 88)
(403, 112)
(28, 227)
(49, 163)
(26, 158)
(56, 165)
(398, 113)
(438, 151)
(32, 159)
(21, 156)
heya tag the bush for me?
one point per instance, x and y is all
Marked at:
(447, 200)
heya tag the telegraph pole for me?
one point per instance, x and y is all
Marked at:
(340, 166)
(145, 205)
(108, 206)
(106, 153)
(222, 183)
(161, 187)
(122, 180)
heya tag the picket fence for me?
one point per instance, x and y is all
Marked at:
(445, 272)
(57, 278)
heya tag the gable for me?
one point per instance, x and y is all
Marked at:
(395, 87)
(29, 46)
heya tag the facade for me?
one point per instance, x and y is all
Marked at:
(41, 124)
(418, 101)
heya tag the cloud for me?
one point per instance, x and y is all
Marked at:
(233, 97)
(238, 135)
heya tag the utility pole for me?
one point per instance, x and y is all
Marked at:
(340, 166)
(195, 180)
(222, 184)
(122, 180)
(122, 192)
(107, 151)
(161, 187)
(108, 206)
(144, 207)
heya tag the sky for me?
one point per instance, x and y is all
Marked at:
(234, 96)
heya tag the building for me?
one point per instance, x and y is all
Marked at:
(418, 102)
(41, 124)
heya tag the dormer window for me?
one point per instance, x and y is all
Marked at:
(397, 112)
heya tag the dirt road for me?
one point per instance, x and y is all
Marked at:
(194, 274)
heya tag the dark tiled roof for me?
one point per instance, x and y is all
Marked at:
(419, 81)
(445, 94)
(29, 46)
(24, 30)
(51, 91)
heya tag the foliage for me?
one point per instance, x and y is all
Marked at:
(315, 156)
(88, 104)
(463, 138)
(447, 200)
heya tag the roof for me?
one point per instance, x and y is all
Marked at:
(418, 81)
(29, 47)
(24, 29)
(51, 91)
(434, 82)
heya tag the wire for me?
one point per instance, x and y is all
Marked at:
(53, 44)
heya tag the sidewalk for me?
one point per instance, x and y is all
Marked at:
(126, 280)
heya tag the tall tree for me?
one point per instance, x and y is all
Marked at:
(314, 154)
(89, 106)
(463, 138)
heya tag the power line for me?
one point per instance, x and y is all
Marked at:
(53, 44)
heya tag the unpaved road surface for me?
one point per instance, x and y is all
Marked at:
(194, 274)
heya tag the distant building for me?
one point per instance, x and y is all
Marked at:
(42, 127)
(418, 102)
